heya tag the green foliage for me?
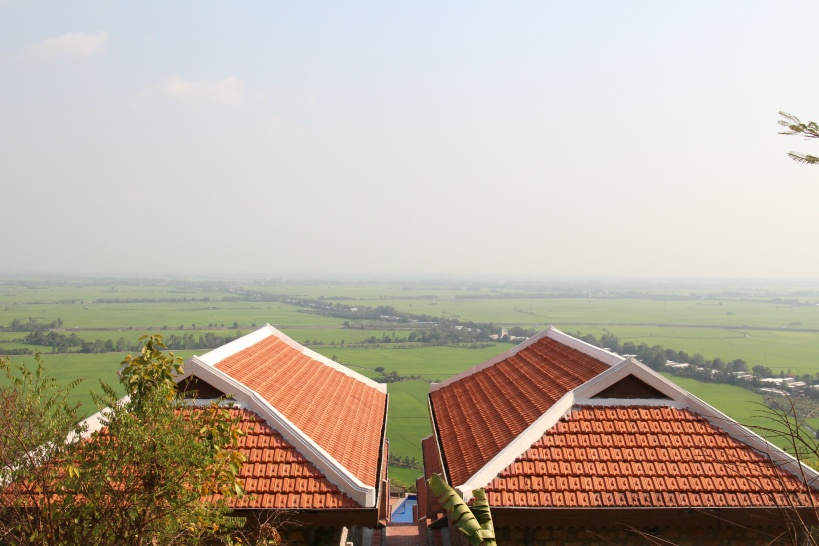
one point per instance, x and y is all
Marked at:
(35, 418)
(807, 130)
(158, 472)
(476, 524)
(150, 374)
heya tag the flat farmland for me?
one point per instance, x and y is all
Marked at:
(608, 311)
(89, 316)
(777, 349)
(91, 368)
(431, 363)
(408, 420)
(766, 326)
(338, 334)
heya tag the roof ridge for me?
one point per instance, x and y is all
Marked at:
(606, 357)
(212, 358)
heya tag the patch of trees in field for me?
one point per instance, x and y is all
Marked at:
(64, 343)
(188, 341)
(395, 377)
(31, 325)
(406, 462)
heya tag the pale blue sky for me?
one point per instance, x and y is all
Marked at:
(545, 139)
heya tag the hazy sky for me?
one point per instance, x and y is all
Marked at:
(482, 138)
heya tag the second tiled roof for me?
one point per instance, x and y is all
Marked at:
(642, 457)
(478, 415)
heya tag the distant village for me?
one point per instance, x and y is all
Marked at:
(780, 386)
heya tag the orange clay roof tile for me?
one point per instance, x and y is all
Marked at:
(271, 483)
(504, 399)
(343, 415)
(713, 476)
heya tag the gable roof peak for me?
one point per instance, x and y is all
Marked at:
(333, 416)
(604, 356)
(677, 399)
(214, 357)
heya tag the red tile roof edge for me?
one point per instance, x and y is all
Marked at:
(343, 478)
(562, 468)
(602, 355)
(437, 438)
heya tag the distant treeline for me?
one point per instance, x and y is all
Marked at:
(716, 370)
(65, 343)
(31, 325)
(206, 299)
(427, 329)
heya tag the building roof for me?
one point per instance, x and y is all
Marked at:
(334, 417)
(428, 505)
(642, 456)
(479, 412)
(432, 457)
(607, 432)
(276, 475)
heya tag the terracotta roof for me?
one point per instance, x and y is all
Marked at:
(342, 414)
(432, 465)
(276, 475)
(477, 415)
(432, 458)
(642, 456)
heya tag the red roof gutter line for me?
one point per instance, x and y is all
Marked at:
(437, 437)
(381, 458)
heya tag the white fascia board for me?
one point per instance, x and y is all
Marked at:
(612, 402)
(602, 355)
(215, 356)
(93, 424)
(333, 470)
(516, 447)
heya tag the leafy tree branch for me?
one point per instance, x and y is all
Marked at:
(795, 127)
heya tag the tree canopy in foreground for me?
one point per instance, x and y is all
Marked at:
(149, 475)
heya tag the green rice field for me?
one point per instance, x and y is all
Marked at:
(774, 326)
